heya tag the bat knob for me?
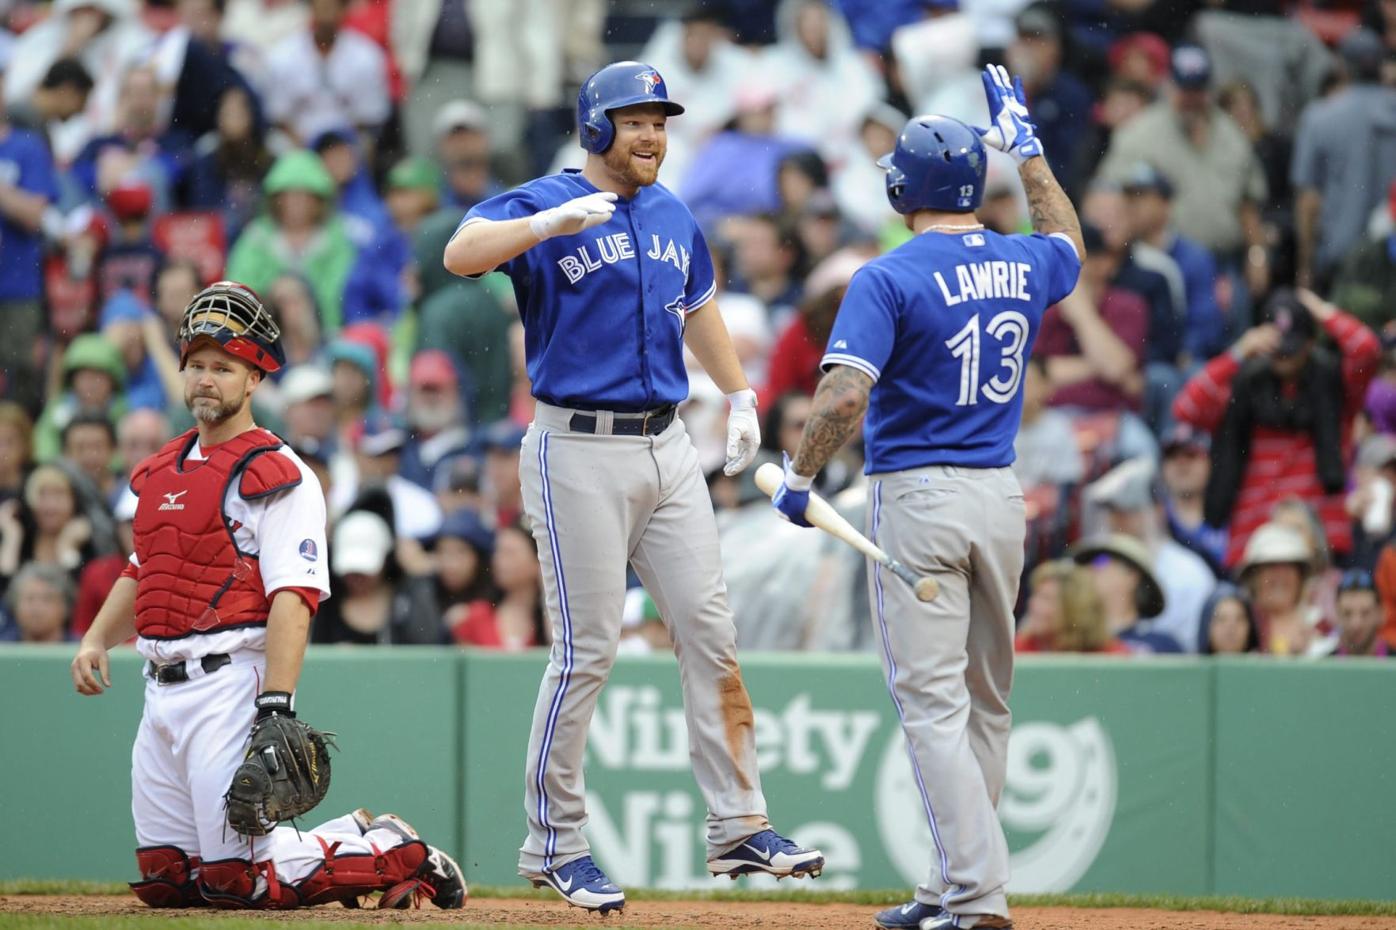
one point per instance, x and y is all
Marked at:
(926, 589)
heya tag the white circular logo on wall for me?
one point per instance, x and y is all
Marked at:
(1060, 784)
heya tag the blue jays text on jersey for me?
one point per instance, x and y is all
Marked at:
(604, 310)
(944, 325)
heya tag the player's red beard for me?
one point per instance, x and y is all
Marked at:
(215, 413)
(640, 172)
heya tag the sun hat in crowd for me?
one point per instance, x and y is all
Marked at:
(1131, 551)
(1276, 544)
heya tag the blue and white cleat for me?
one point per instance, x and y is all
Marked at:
(767, 852)
(906, 916)
(582, 884)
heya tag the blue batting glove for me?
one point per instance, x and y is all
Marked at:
(792, 497)
(1010, 129)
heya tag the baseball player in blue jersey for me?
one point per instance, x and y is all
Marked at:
(931, 341)
(613, 278)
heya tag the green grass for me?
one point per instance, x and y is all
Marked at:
(1294, 907)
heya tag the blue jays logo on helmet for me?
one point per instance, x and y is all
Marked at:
(651, 80)
(939, 164)
(623, 84)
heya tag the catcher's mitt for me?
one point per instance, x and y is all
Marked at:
(285, 773)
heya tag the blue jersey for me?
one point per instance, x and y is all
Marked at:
(604, 310)
(944, 325)
(25, 164)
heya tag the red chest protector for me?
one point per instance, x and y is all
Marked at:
(192, 577)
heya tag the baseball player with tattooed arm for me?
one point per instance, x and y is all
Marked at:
(613, 278)
(931, 341)
(227, 572)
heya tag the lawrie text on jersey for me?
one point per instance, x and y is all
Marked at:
(985, 280)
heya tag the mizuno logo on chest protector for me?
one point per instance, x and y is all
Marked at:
(172, 500)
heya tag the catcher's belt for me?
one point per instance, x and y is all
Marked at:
(172, 673)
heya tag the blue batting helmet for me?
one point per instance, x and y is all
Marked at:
(623, 84)
(938, 164)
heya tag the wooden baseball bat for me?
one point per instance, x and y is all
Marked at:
(823, 515)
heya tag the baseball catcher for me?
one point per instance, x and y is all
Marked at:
(227, 573)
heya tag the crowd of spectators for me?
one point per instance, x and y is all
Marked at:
(1208, 446)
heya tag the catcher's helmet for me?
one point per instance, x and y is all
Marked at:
(622, 84)
(938, 164)
(232, 315)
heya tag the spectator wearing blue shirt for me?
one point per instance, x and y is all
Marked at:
(124, 317)
(1185, 469)
(1149, 206)
(384, 279)
(735, 174)
(27, 188)
(1061, 105)
(365, 217)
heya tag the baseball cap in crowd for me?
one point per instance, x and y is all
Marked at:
(1356, 579)
(1183, 436)
(417, 174)
(1191, 67)
(130, 199)
(460, 114)
(503, 434)
(306, 382)
(466, 524)
(1362, 52)
(1092, 238)
(460, 476)
(382, 437)
(1295, 324)
(312, 451)
(1037, 21)
(1132, 552)
(361, 543)
(1145, 178)
(329, 138)
(432, 367)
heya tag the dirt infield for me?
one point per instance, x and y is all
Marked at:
(704, 915)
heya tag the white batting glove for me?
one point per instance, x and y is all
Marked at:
(743, 431)
(1011, 129)
(573, 216)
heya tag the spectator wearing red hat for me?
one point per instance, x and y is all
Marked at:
(1142, 57)
(129, 259)
(436, 416)
(1366, 281)
(1280, 411)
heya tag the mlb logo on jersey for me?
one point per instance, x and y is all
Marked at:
(650, 79)
(307, 550)
(973, 240)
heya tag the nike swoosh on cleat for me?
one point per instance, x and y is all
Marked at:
(561, 885)
(908, 908)
(761, 853)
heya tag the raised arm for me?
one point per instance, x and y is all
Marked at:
(1012, 131)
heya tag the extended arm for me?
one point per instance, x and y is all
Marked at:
(839, 403)
(483, 245)
(1048, 205)
(24, 208)
(115, 623)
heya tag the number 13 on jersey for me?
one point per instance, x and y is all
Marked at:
(1009, 327)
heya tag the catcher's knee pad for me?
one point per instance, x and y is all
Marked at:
(342, 878)
(240, 884)
(167, 877)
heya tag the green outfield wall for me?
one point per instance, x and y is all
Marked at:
(1186, 776)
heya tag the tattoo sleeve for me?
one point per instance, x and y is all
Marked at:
(1048, 204)
(839, 402)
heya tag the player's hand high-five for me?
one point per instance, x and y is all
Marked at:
(573, 216)
(1011, 129)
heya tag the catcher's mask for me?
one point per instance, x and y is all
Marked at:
(233, 317)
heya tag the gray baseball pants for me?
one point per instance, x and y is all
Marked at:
(949, 663)
(598, 501)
